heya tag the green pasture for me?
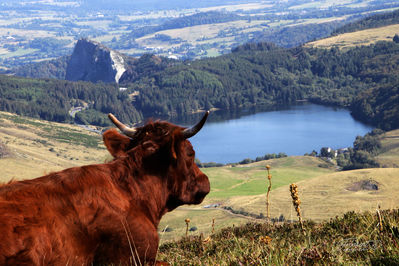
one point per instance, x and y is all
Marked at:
(19, 52)
(247, 180)
(213, 52)
(241, 181)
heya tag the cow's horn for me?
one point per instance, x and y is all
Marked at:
(189, 132)
(125, 130)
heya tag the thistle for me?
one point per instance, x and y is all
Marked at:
(187, 223)
(296, 202)
(269, 176)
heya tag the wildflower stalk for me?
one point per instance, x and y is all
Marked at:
(269, 176)
(296, 202)
(187, 223)
(213, 226)
(379, 218)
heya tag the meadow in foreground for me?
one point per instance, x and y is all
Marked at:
(355, 239)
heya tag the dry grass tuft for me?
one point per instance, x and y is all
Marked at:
(269, 177)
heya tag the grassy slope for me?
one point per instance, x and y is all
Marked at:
(322, 197)
(251, 179)
(353, 239)
(363, 37)
(244, 183)
(390, 149)
(38, 147)
(326, 196)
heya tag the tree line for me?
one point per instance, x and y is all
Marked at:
(201, 18)
(51, 99)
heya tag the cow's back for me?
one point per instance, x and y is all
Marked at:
(29, 235)
(37, 226)
(21, 231)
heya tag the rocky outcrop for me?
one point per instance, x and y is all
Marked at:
(91, 61)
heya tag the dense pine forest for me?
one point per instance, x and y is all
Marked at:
(378, 106)
(52, 99)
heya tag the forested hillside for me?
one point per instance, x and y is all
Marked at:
(379, 106)
(296, 35)
(263, 74)
(55, 68)
(253, 75)
(51, 99)
(186, 21)
(374, 21)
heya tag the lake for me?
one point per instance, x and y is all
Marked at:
(294, 131)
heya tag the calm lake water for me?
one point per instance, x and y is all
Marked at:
(294, 131)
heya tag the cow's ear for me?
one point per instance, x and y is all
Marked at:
(116, 143)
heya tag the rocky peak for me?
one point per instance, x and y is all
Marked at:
(91, 61)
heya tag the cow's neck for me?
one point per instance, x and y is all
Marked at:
(147, 190)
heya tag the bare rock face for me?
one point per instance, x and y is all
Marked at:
(91, 61)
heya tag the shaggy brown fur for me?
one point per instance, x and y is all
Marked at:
(106, 213)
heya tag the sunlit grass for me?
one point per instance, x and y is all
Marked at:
(351, 239)
(363, 37)
(249, 179)
(39, 147)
